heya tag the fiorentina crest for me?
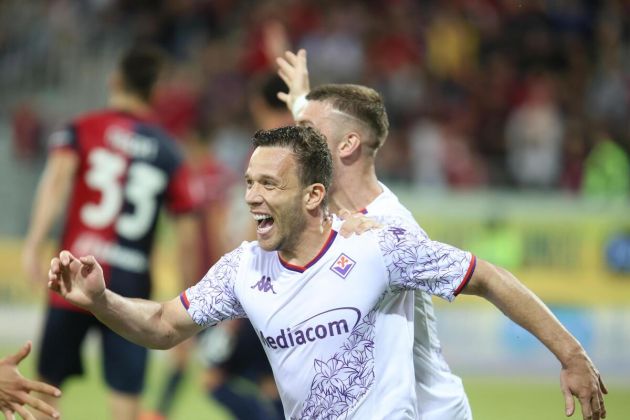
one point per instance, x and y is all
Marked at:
(343, 266)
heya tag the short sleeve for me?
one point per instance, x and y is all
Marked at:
(63, 139)
(213, 299)
(414, 262)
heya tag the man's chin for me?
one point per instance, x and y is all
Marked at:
(267, 244)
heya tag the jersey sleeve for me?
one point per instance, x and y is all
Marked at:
(64, 139)
(214, 299)
(414, 262)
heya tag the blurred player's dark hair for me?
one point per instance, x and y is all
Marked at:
(270, 87)
(140, 68)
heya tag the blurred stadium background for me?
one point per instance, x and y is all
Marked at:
(510, 137)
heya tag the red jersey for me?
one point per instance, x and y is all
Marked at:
(128, 168)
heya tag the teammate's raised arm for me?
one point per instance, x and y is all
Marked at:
(293, 70)
(578, 376)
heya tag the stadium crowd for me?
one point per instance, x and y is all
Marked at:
(489, 93)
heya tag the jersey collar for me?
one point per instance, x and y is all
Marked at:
(320, 254)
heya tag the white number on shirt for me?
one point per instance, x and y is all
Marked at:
(144, 183)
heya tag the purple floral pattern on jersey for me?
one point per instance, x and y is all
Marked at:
(342, 380)
(415, 262)
(213, 299)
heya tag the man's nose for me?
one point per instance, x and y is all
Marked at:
(252, 194)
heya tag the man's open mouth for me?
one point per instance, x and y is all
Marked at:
(265, 223)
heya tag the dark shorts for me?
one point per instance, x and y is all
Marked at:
(124, 363)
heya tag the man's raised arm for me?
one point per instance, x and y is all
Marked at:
(144, 322)
(578, 376)
(293, 70)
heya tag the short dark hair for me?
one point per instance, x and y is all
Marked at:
(270, 87)
(140, 68)
(360, 102)
(310, 150)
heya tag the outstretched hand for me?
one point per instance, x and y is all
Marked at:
(15, 389)
(581, 379)
(79, 280)
(293, 70)
(355, 223)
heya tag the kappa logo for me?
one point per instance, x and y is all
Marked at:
(264, 285)
(343, 266)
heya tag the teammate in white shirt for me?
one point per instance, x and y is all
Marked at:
(320, 302)
(354, 121)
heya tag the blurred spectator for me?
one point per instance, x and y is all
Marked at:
(336, 46)
(534, 134)
(427, 146)
(451, 44)
(607, 170)
(523, 71)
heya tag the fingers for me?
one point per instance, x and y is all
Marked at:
(346, 232)
(285, 68)
(66, 257)
(55, 269)
(596, 408)
(284, 97)
(21, 354)
(89, 264)
(26, 415)
(600, 396)
(291, 57)
(569, 403)
(344, 214)
(42, 387)
(587, 410)
(285, 78)
(41, 406)
(55, 286)
(8, 414)
(601, 385)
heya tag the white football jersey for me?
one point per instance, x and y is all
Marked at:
(440, 393)
(338, 345)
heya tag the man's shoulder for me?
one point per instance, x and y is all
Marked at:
(94, 116)
(388, 206)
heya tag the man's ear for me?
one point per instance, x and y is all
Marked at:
(314, 195)
(349, 145)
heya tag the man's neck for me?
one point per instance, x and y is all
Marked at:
(354, 190)
(129, 103)
(309, 244)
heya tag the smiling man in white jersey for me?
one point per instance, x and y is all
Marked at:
(318, 301)
(321, 303)
(354, 121)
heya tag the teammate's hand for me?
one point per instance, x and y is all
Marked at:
(79, 280)
(15, 389)
(355, 223)
(581, 379)
(293, 70)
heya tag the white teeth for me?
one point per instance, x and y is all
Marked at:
(260, 217)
